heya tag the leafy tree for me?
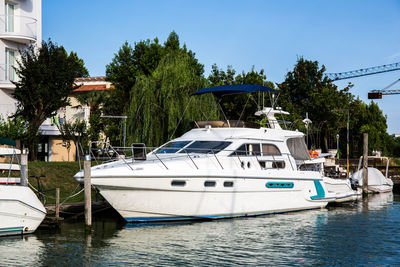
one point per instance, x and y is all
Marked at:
(133, 66)
(162, 100)
(76, 131)
(13, 129)
(233, 106)
(46, 78)
(307, 89)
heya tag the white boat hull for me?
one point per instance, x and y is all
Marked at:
(342, 190)
(154, 199)
(21, 212)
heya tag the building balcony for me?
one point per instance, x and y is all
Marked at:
(7, 76)
(20, 29)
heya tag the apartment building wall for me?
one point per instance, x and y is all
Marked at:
(20, 26)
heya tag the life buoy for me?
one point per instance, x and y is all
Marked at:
(313, 153)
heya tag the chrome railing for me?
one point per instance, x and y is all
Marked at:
(103, 152)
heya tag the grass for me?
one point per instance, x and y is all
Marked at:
(55, 174)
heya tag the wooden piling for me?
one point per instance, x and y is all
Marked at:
(24, 169)
(88, 191)
(57, 203)
(365, 164)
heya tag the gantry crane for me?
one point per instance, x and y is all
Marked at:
(373, 94)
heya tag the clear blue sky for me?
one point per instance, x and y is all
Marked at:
(342, 35)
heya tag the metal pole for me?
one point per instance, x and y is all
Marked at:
(124, 131)
(348, 150)
(88, 191)
(365, 164)
(337, 146)
(24, 169)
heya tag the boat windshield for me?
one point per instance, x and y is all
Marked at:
(172, 147)
(204, 147)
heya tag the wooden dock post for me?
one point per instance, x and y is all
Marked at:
(88, 191)
(24, 168)
(57, 203)
(365, 164)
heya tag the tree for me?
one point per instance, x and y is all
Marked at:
(13, 129)
(239, 106)
(77, 132)
(46, 78)
(161, 107)
(133, 66)
(307, 89)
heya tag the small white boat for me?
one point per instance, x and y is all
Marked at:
(219, 169)
(21, 212)
(377, 182)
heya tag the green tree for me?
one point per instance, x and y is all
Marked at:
(13, 129)
(46, 78)
(307, 89)
(133, 66)
(161, 102)
(239, 106)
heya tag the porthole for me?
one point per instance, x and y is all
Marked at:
(209, 183)
(178, 183)
(248, 164)
(228, 184)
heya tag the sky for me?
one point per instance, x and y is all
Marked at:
(342, 35)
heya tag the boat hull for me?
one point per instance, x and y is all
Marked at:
(155, 199)
(21, 212)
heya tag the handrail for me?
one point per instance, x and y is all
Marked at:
(114, 153)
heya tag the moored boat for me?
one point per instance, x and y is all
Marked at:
(219, 169)
(21, 212)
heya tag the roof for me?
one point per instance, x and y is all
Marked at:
(90, 79)
(234, 89)
(93, 87)
(98, 83)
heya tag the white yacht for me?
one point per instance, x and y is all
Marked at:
(219, 169)
(21, 212)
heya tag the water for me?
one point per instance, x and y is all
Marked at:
(366, 233)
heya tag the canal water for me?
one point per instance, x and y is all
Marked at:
(366, 233)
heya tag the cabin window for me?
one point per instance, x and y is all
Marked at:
(228, 184)
(204, 147)
(209, 183)
(298, 148)
(247, 150)
(270, 150)
(272, 164)
(172, 147)
(178, 183)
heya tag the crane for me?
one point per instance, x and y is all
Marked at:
(373, 94)
(363, 72)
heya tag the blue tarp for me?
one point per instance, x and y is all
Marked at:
(235, 89)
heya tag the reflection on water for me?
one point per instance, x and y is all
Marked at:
(361, 233)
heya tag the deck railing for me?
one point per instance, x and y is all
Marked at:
(103, 152)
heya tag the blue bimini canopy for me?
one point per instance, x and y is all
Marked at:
(235, 89)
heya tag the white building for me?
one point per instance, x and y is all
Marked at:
(20, 26)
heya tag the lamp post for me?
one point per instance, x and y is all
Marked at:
(348, 117)
(117, 117)
(337, 146)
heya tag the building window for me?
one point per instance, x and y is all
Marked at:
(10, 64)
(9, 12)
